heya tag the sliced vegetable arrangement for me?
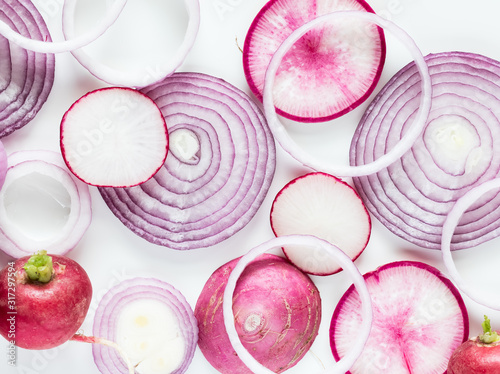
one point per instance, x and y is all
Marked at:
(331, 70)
(218, 171)
(185, 160)
(26, 77)
(456, 151)
(419, 320)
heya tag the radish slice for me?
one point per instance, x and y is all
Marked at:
(114, 137)
(151, 322)
(456, 151)
(321, 205)
(42, 205)
(48, 46)
(26, 77)
(457, 212)
(329, 72)
(277, 312)
(363, 327)
(419, 320)
(218, 173)
(288, 144)
(152, 71)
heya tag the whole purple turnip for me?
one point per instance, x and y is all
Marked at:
(45, 300)
(478, 355)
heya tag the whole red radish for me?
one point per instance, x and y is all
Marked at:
(477, 355)
(45, 300)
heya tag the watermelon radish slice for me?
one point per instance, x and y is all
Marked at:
(330, 71)
(114, 137)
(419, 319)
(322, 205)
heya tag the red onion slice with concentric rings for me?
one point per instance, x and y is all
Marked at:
(456, 151)
(26, 77)
(220, 165)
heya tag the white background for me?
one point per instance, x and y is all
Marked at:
(110, 252)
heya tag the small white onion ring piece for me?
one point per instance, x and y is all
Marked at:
(147, 74)
(69, 44)
(42, 205)
(345, 362)
(382, 162)
(449, 226)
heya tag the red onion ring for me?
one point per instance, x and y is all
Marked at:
(450, 224)
(383, 161)
(30, 174)
(344, 261)
(3, 164)
(26, 77)
(219, 168)
(456, 151)
(45, 45)
(148, 74)
(107, 359)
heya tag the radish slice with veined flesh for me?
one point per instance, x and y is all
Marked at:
(331, 69)
(26, 77)
(362, 326)
(150, 71)
(289, 145)
(324, 206)
(419, 320)
(217, 174)
(114, 137)
(48, 46)
(277, 311)
(454, 217)
(151, 322)
(456, 151)
(42, 205)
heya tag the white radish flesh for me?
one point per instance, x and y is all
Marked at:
(321, 205)
(114, 137)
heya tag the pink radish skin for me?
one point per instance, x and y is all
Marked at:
(322, 205)
(277, 312)
(480, 354)
(47, 314)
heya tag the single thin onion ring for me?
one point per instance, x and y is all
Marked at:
(305, 240)
(450, 223)
(146, 75)
(45, 46)
(382, 162)
(31, 173)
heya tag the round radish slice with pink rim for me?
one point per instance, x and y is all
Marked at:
(46, 45)
(331, 69)
(357, 339)
(148, 72)
(26, 77)
(42, 205)
(288, 144)
(419, 319)
(114, 137)
(456, 151)
(321, 205)
(452, 221)
(277, 312)
(220, 165)
(151, 322)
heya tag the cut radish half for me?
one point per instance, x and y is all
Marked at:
(331, 69)
(42, 205)
(321, 205)
(419, 320)
(114, 137)
(290, 146)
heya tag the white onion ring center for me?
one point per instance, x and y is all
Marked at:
(344, 261)
(449, 226)
(391, 156)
